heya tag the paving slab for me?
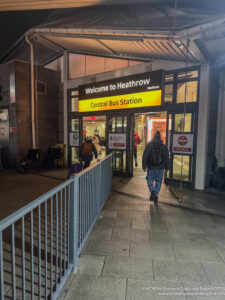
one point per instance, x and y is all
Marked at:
(109, 214)
(101, 233)
(198, 239)
(90, 264)
(99, 247)
(154, 290)
(140, 215)
(157, 250)
(89, 287)
(140, 208)
(215, 273)
(197, 253)
(140, 224)
(169, 270)
(184, 227)
(130, 235)
(113, 222)
(130, 267)
(175, 237)
(199, 292)
(221, 251)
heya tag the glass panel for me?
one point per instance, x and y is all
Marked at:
(120, 161)
(168, 93)
(75, 155)
(191, 92)
(177, 164)
(4, 115)
(124, 124)
(112, 124)
(169, 130)
(169, 77)
(190, 74)
(74, 124)
(74, 104)
(74, 93)
(119, 124)
(181, 122)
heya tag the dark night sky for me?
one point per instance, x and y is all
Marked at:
(14, 24)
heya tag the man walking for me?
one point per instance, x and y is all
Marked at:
(86, 151)
(156, 159)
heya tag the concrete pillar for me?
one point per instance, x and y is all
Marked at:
(220, 137)
(202, 128)
(65, 100)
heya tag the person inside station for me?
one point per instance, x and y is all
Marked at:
(86, 152)
(96, 144)
(84, 133)
(137, 141)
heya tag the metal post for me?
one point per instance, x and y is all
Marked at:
(32, 91)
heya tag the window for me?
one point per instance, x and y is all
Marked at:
(178, 162)
(74, 124)
(188, 75)
(190, 90)
(4, 115)
(181, 121)
(168, 97)
(169, 78)
(74, 101)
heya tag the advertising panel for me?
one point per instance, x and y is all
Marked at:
(142, 90)
(156, 124)
(183, 143)
(117, 141)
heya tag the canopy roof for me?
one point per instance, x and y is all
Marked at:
(139, 31)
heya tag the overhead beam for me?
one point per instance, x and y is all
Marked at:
(108, 33)
(198, 32)
(200, 51)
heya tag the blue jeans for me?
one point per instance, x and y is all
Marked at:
(154, 176)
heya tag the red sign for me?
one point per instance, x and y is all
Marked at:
(183, 143)
(13, 129)
(182, 140)
(118, 145)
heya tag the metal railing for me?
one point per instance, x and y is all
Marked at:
(40, 243)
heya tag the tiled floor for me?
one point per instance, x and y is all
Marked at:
(140, 250)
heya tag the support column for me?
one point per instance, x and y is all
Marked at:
(202, 127)
(65, 100)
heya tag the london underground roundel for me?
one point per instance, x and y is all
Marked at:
(182, 140)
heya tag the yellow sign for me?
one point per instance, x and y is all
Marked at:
(143, 99)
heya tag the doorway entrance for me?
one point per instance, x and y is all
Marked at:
(145, 126)
(84, 127)
(95, 128)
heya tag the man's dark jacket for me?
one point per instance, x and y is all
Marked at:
(146, 159)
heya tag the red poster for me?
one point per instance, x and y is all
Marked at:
(159, 125)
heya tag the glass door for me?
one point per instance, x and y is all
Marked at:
(119, 141)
